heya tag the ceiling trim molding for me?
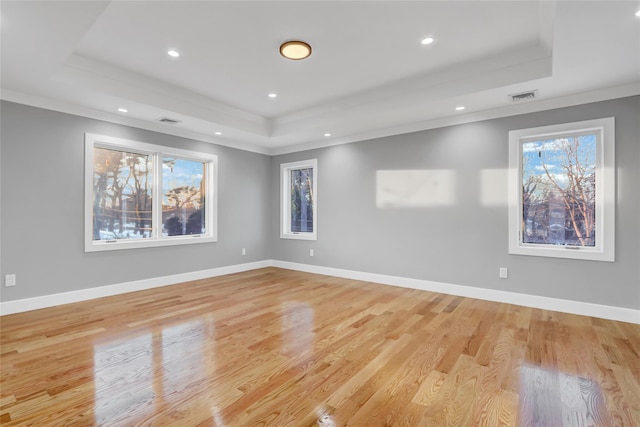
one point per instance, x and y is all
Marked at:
(494, 113)
(76, 110)
(519, 65)
(94, 75)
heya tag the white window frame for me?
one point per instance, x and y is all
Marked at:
(285, 200)
(157, 152)
(604, 249)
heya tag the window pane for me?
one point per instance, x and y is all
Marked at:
(558, 190)
(302, 200)
(183, 204)
(122, 196)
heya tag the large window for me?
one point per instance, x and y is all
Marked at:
(562, 190)
(140, 195)
(299, 200)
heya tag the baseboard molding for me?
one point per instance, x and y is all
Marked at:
(28, 304)
(534, 301)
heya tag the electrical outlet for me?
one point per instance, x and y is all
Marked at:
(10, 280)
(311, 252)
(244, 251)
(504, 273)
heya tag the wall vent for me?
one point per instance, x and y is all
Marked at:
(523, 96)
(168, 121)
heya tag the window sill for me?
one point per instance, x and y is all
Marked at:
(105, 245)
(299, 236)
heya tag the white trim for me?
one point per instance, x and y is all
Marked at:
(534, 301)
(615, 92)
(514, 109)
(82, 111)
(28, 304)
(604, 249)
(545, 303)
(285, 200)
(156, 151)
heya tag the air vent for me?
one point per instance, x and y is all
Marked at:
(168, 121)
(524, 96)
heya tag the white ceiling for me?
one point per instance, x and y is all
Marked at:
(368, 75)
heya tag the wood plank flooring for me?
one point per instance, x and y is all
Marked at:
(273, 347)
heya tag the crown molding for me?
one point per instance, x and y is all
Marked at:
(525, 107)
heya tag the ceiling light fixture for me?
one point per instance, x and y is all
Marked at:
(173, 53)
(427, 41)
(327, 134)
(218, 133)
(460, 108)
(273, 95)
(638, 13)
(123, 110)
(295, 50)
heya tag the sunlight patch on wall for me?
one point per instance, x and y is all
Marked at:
(415, 188)
(493, 187)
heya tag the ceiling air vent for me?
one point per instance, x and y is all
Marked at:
(168, 121)
(524, 96)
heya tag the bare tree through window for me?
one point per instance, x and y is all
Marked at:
(183, 203)
(562, 190)
(302, 200)
(559, 190)
(140, 195)
(122, 200)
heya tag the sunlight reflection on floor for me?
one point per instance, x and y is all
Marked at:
(551, 398)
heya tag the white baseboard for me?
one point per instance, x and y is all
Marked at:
(534, 301)
(546, 303)
(28, 304)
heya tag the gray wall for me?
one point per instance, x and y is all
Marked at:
(42, 178)
(464, 242)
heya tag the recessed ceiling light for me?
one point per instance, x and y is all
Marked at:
(218, 133)
(427, 41)
(638, 13)
(273, 95)
(327, 134)
(123, 110)
(295, 49)
(173, 53)
(460, 108)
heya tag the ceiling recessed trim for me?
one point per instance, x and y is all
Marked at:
(295, 50)
(504, 111)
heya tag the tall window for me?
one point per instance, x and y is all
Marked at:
(140, 195)
(562, 191)
(299, 200)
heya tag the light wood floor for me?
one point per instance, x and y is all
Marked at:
(282, 348)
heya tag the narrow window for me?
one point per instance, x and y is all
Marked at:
(299, 200)
(562, 191)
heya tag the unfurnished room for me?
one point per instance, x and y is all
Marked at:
(320, 213)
